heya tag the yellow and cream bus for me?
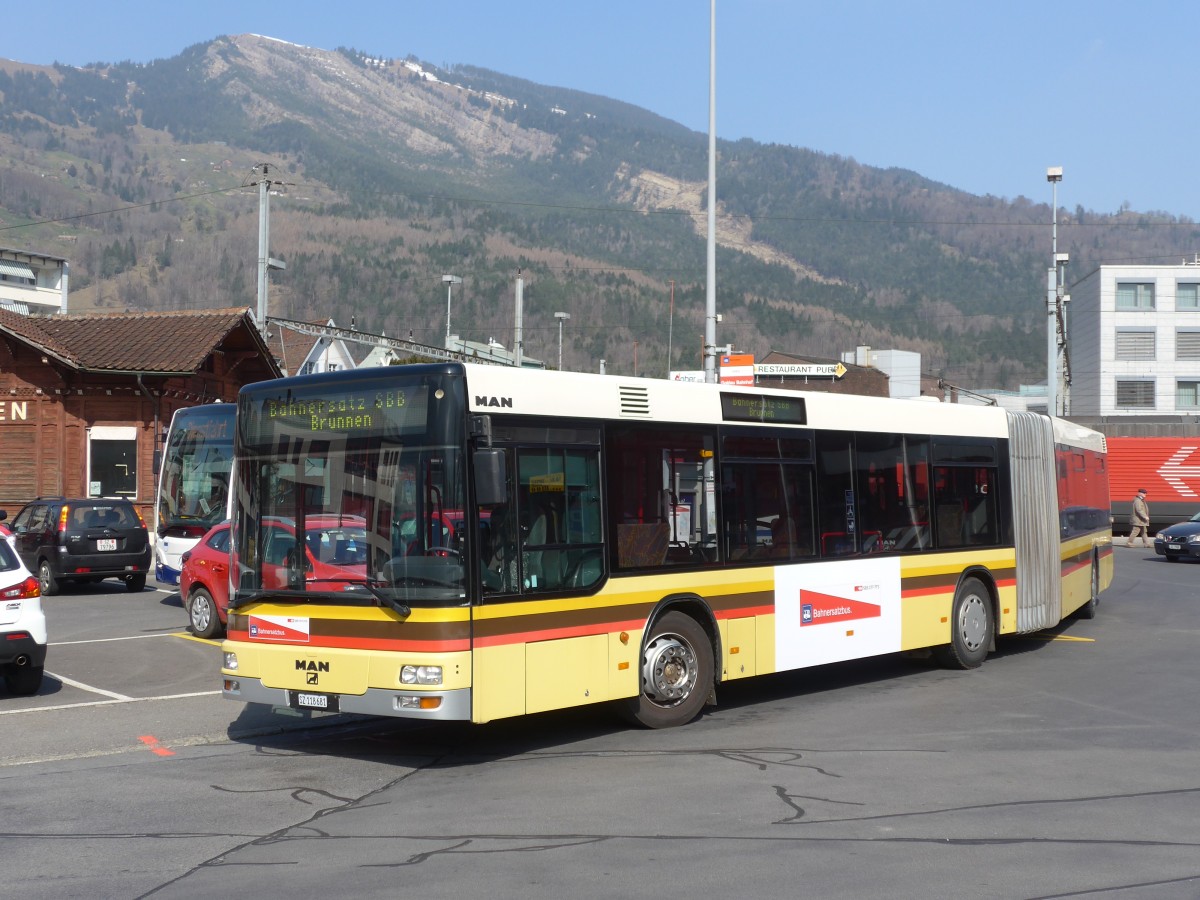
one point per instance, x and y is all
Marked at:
(542, 540)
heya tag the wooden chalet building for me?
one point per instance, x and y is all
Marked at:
(85, 400)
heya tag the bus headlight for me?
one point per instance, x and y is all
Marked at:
(231, 660)
(420, 674)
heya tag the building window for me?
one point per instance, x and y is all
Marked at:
(18, 274)
(1135, 394)
(1187, 345)
(112, 462)
(1135, 345)
(1187, 395)
(1135, 295)
(1187, 296)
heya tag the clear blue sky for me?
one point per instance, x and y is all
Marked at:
(982, 97)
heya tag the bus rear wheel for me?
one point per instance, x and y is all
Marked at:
(676, 673)
(1088, 610)
(971, 628)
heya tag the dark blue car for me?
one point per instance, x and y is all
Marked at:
(1180, 539)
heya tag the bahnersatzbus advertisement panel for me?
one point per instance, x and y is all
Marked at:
(535, 541)
(193, 483)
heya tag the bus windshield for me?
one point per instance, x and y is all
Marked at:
(194, 479)
(370, 466)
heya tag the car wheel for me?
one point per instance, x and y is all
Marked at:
(46, 579)
(202, 614)
(135, 583)
(23, 679)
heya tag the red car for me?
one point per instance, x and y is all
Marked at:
(335, 547)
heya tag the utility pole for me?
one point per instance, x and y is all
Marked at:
(562, 317)
(670, 327)
(450, 281)
(1056, 338)
(710, 311)
(519, 329)
(1054, 175)
(265, 262)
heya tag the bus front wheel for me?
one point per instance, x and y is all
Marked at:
(676, 673)
(971, 627)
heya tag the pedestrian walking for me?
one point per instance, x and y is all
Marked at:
(1139, 519)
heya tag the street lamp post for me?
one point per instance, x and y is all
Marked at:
(450, 281)
(562, 317)
(1054, 175)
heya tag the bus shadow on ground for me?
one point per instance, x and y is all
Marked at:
(405, 742)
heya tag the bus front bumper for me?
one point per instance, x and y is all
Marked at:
(450, 706)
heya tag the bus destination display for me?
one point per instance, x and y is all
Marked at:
(349, 412)
(752, 408)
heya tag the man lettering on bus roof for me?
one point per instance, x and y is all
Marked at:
(1139, 519)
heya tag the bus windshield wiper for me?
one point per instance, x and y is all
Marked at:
(373, 588)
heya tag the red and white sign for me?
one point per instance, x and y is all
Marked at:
(282, 629)
(836, 610)
(820, 609)
(1168, 467)
(737, 368)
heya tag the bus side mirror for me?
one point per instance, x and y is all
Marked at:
(491, 478)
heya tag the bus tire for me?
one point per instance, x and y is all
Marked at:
(676, 673)
(971, 628)
(1088, 610)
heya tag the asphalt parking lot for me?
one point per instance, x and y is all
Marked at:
(1065, 766)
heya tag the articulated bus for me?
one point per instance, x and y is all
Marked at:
(193, 483)
(530, 540)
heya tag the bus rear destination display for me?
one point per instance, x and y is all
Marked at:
(751, 408)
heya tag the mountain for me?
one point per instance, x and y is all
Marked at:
(387, 174)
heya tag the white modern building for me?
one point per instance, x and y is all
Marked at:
(32, 282)
(1133, 337)
(903, 368)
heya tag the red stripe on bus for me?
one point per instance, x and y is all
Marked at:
(527, 637)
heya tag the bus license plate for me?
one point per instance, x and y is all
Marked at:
(316, 701)
(106, 544)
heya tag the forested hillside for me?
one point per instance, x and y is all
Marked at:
(388, 174)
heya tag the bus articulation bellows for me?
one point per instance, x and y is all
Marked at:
(542, 540)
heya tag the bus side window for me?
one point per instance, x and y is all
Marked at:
(661, 491)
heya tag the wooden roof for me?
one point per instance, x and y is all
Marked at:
(156, 343)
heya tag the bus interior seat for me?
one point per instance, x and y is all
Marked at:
(642, 545)
(949, 524)
(586, 571)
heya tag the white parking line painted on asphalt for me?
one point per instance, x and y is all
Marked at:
(119, 699)
(132, 637)
(87, 687)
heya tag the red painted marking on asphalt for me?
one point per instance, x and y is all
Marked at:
(152, 743)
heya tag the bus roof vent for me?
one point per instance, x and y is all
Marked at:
(635, 401)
